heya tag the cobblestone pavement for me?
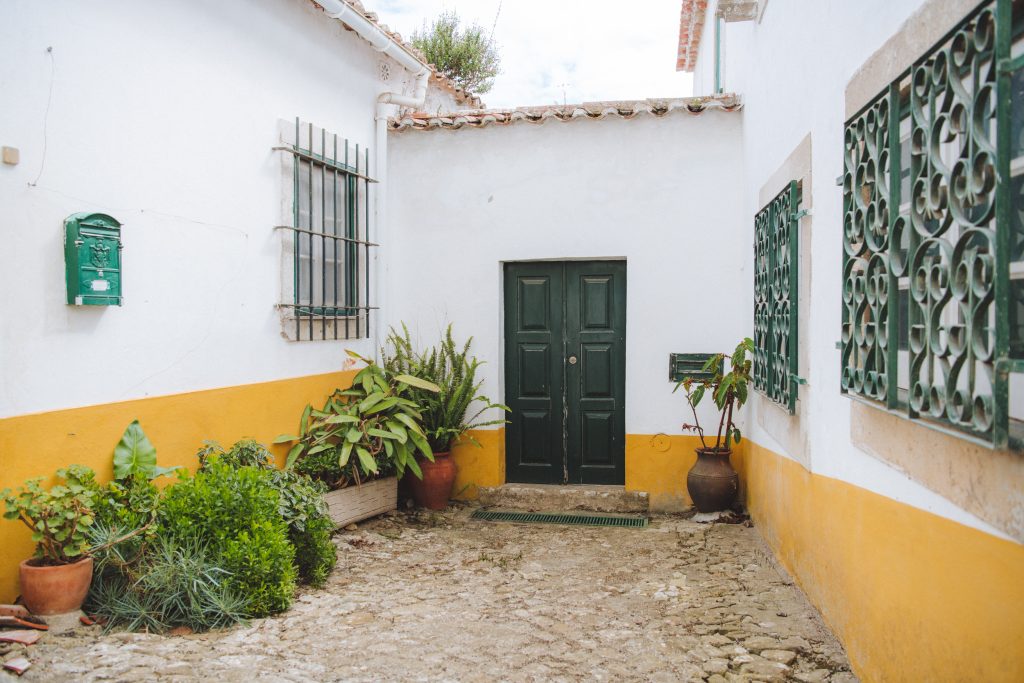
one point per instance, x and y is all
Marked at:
(431, 596)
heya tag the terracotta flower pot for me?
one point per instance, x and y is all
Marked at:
(712, 482)
(55, 590)
(436, 486)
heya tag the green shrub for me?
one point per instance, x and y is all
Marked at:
(300, 504)
(235, 511)
(142, 580)
(315, 555)
(124, 510)
(309, 528)
(244, 453)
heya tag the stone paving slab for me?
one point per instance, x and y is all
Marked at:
(437, 596)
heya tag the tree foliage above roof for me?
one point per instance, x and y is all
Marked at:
(468, 56)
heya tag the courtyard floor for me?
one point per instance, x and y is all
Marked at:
(437, 596)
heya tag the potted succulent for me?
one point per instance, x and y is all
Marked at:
(56, 580)
(446, 413)
(712, 482)
(362, 441)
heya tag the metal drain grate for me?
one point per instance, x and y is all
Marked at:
(560, 518)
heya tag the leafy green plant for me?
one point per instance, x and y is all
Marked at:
(59, 517)
(300, 504)
(446, 417)
(376, 424)
(469, 57)
(134, 455)
(243, 453)
(124, 512)
(728, 390)
(236, 513)
(315, 555)
(128, 503)
(176, 584)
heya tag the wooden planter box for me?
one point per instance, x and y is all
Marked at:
(356, 503)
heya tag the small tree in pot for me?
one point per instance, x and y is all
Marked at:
(712, 482)
(448, 414)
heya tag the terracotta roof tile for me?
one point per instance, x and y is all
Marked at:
(691, 27)
(628, 109)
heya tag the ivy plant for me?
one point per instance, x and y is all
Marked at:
(59, 517)
(373, 425)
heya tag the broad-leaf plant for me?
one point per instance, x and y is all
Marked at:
(362, 432)
(729, 391)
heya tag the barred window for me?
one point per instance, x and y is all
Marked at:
(776, 296)
(933, 264)
(328, 296)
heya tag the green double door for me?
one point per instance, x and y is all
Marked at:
(565, 372)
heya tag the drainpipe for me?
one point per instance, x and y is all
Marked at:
(718, 53)
(385, 44)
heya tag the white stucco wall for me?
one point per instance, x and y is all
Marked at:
(661, 193)
(162, 115)
(791, 69)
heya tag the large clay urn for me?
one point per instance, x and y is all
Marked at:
(712, 482)
(433, 490)
(56, 589)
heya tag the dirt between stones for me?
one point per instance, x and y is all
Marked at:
(437, 596)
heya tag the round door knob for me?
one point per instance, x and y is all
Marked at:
(572, 360)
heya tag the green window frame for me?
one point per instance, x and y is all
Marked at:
(776, 298)
(930, 205)
(330, 236)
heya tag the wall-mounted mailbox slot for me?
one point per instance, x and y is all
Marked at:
(683, 365)
(92, 258)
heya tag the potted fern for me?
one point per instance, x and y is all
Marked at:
(448, 414)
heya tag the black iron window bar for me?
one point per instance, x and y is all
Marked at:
(331, 228)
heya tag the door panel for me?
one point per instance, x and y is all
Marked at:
(595, 332)
(565, 337)
(597, 360)
(534, 326)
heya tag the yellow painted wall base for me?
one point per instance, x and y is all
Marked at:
(912, 596)
(657, 464)
(37, 445)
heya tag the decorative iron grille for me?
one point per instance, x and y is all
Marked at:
(776, 291)
(331, 227)
(926, 230)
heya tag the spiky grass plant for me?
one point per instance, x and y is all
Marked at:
(447, 416)
(174, 583)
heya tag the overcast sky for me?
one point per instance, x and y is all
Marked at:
(579, 50)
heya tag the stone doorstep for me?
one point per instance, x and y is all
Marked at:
(546, 497)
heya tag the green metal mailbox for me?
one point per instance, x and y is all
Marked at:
(92, 257)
